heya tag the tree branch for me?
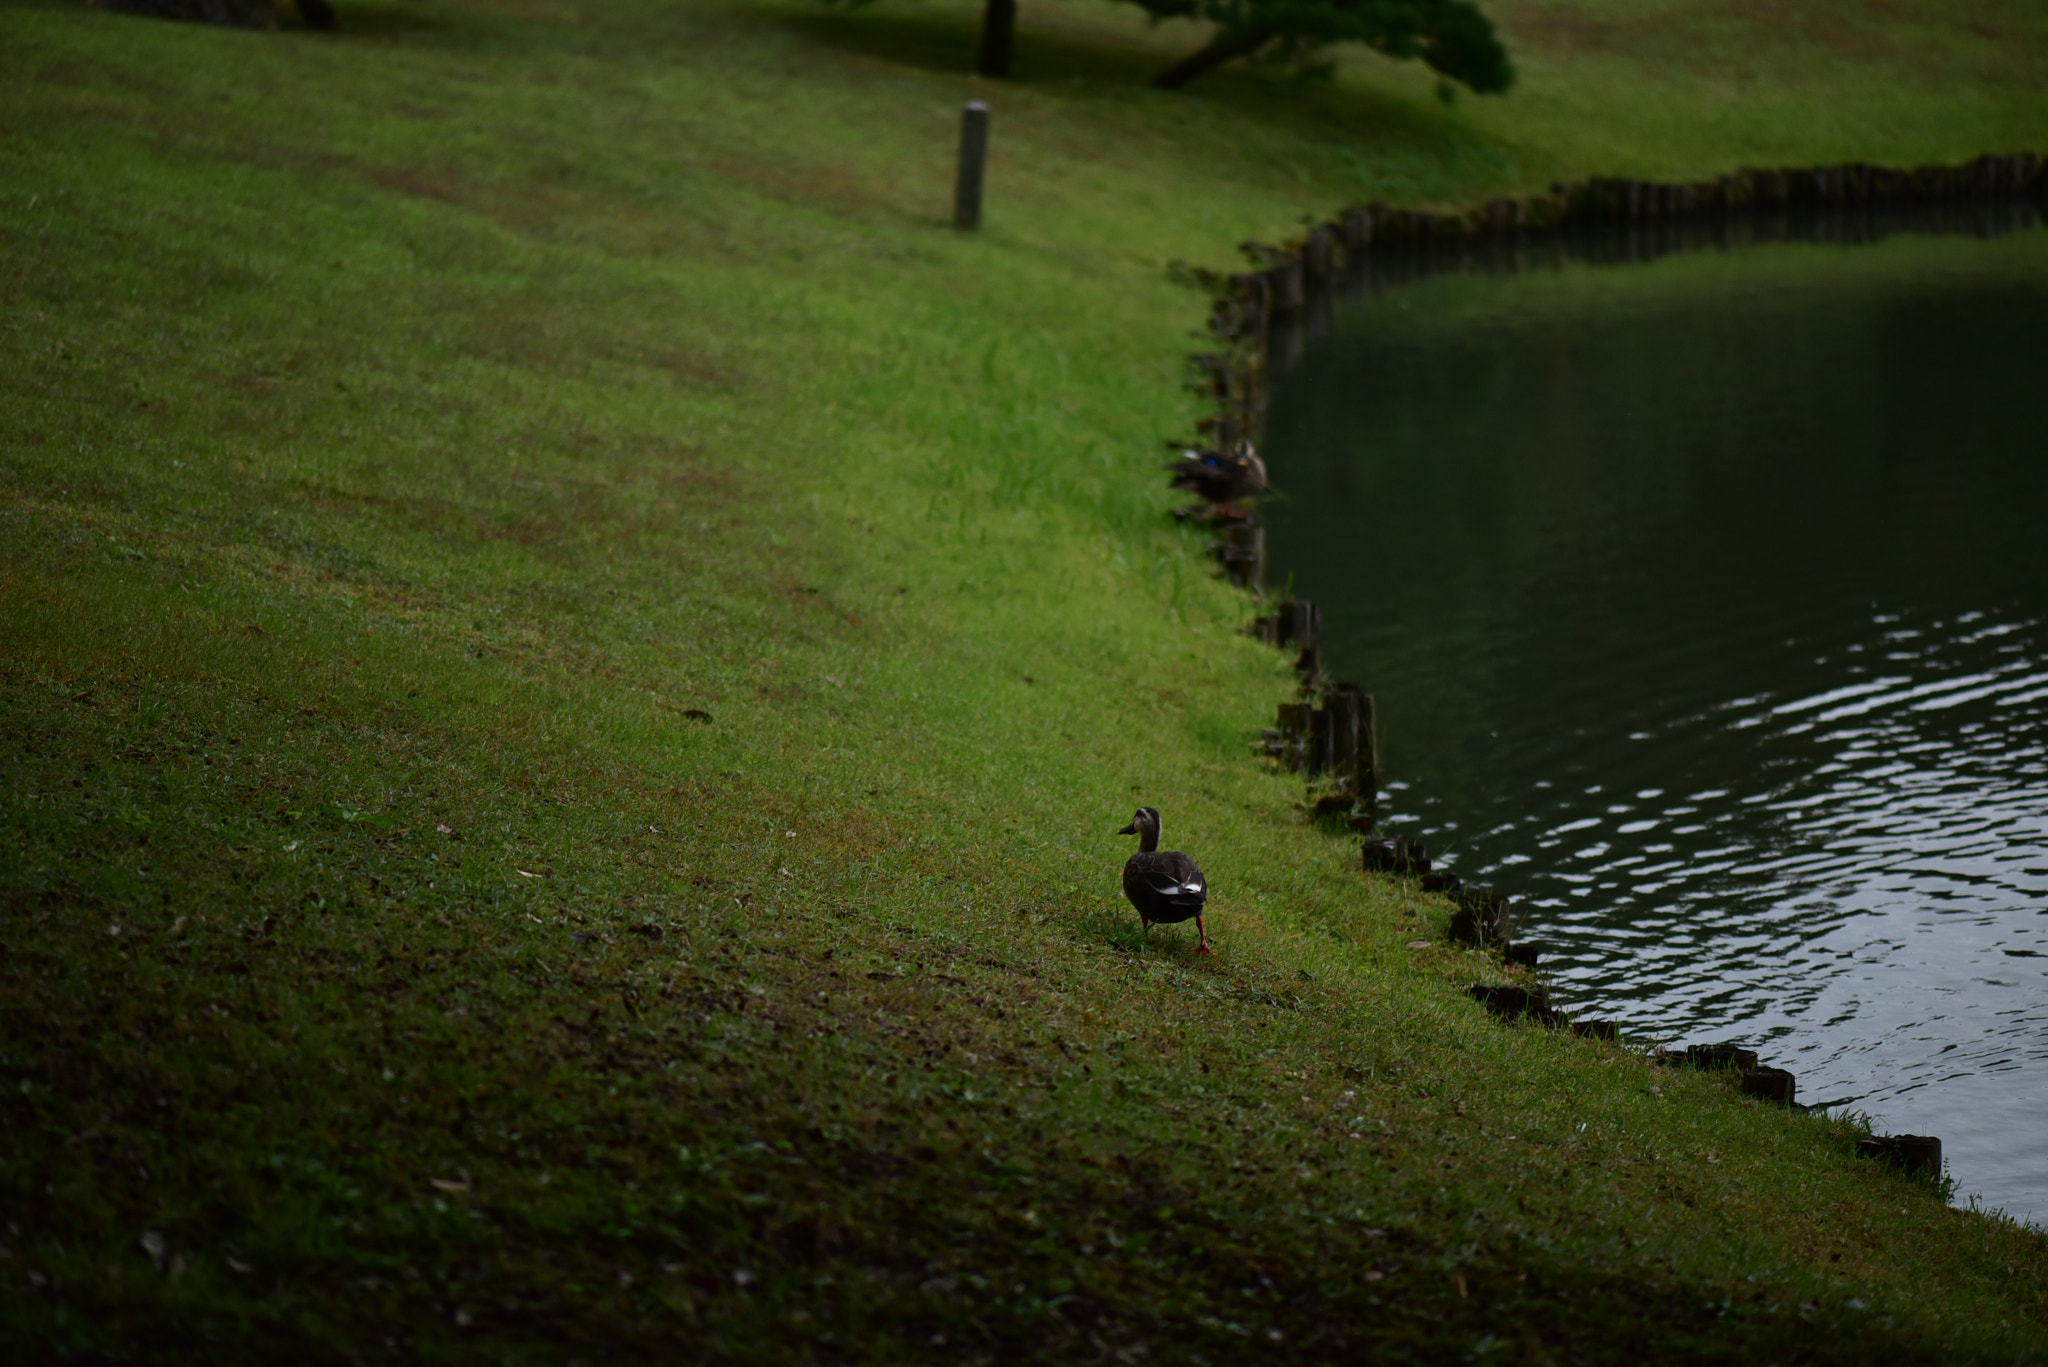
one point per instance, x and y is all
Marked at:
(1225, 46)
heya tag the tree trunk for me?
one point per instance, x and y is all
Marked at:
(317, 13)
(998, 36)
(1225, 46)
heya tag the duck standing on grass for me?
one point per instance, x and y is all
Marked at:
(1164, 885)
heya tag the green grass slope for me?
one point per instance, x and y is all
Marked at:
(571, 654)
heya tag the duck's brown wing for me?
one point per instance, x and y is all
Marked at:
(1208, 473)
(1165, 886)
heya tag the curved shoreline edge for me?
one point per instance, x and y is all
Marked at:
(1257, 314)
(1265, 317)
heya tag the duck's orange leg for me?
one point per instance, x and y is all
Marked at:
(1203, 948)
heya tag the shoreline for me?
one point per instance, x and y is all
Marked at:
(1327, 731)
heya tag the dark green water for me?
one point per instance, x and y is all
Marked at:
(1706, 603)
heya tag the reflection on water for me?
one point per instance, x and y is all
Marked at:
(1707, 607)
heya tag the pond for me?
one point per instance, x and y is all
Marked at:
(1706, 606)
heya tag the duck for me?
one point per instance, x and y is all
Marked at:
(1221, 477)
(1165, 886)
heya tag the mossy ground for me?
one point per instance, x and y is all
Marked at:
(572, 654)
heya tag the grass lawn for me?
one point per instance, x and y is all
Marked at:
(570, 654)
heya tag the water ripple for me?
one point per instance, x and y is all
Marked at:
(1710, 623)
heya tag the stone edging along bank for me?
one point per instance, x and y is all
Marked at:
(1263, 316)
(1598, 219)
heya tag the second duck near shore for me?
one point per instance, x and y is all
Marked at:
(1221, 477)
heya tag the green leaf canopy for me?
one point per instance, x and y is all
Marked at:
(1450, 36)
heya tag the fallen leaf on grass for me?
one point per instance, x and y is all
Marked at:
(458, 1185)
(1419, 944)
(524, 874)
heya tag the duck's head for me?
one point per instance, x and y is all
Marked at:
(1146, 822)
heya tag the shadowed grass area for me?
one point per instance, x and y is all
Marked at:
(571, 655)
